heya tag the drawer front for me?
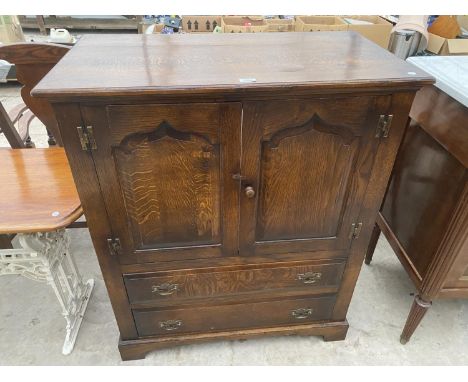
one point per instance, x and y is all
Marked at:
(235, 316)
(311, 277)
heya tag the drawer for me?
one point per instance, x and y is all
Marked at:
(234, 316)
(317, 277)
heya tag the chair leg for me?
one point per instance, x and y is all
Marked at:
(29, 143)
(416, 314)
(372, 244)
(46, 257)
(51, 141)
(5, 241)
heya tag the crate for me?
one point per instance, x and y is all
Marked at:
(378, 30)
(244, 24)
(280, 25)
(320, 23)
(194, 24)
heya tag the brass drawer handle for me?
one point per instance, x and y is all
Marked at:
(302, 313)
(170, 324)
(165, 289)
(309, 277)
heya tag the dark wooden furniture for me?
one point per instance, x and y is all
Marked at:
(424, 215)
(33, 61)
(231, 182)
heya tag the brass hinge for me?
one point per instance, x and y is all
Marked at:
(114, 246)
(383, 126)
(355, 230)
(85, 133)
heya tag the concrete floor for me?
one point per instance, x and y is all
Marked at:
(32, 328)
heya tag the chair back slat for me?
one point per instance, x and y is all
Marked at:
(11, 134)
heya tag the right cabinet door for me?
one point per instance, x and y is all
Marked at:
(305, 168)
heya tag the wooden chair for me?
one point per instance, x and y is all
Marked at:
(17, 137)
(39, 200)
(33, 61)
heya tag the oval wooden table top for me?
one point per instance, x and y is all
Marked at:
(37, 191)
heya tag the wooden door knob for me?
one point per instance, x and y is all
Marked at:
(249, 192)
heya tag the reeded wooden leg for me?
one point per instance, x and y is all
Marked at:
(416, 314)
(372, 244)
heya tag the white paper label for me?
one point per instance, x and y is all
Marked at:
(247, 80)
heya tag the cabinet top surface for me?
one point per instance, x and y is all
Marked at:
(113, 65)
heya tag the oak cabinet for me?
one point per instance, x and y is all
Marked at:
(221, 210)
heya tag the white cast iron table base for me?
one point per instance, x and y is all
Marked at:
(45, 257)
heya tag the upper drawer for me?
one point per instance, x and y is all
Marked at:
(309, 277)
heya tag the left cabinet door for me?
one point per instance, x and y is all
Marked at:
(166, 175)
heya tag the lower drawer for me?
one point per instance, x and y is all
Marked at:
(235, 316)
(317, 277)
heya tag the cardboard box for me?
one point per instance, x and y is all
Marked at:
(10, 30)
(280, 25)
(244, 24)
(157, 28)
(193, 24)
(378, 31)
(320, 23)
(447, 47)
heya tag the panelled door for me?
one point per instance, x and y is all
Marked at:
(305, 167)
(165, 175)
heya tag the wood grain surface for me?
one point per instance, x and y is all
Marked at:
(167, 171)
(235, 316)
(446, 122)
(422, 195)
(208, 284)
(170, 183)
(38, 192)
(195, 63)
(309, 162)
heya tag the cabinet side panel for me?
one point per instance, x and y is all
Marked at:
(423, 191)
(380, 174)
